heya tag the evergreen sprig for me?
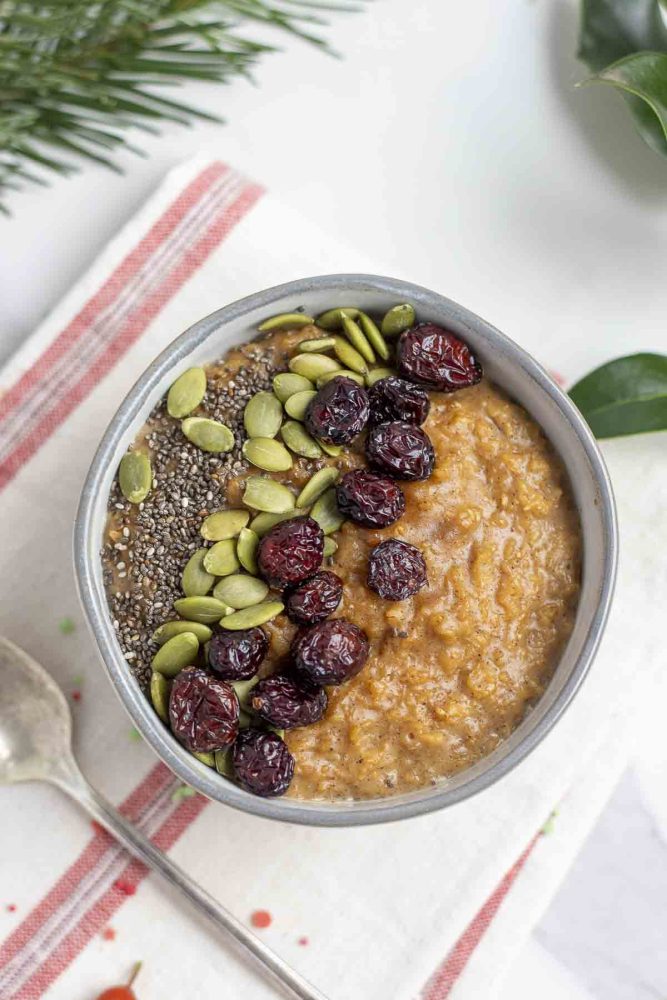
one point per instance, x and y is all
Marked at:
(75, 75)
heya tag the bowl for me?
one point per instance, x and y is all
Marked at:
(508, 366)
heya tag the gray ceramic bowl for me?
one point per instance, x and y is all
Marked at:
(507, 365)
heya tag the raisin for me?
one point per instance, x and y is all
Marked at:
(434, 357)
(401, 450)
(395, 399)
(262, 763)
(203, 711)
(396, 570)
(369, 499)
(315, 599)
(339, 411)
(329, 653)
(291, 551)
(236, 656)
(281, 702)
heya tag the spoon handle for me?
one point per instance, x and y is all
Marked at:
(288, 980)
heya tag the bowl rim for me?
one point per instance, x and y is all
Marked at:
(86, 556)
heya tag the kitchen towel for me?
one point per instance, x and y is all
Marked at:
(432, 907)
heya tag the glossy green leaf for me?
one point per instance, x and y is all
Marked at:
(626, 396)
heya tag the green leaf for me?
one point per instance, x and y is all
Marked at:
(644, 76)
(625, 396)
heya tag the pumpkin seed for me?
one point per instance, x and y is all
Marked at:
(267, 454)
(343, 373)
(333, 318)
(209, 435)
(259, 614)
(285, 384)
(285, 321)
(377, 373)
(195, 581)
(358, 340)
(245, 719)
(267, 495)
(243, 689)
(176, 653)
(223, 763)
(240, 591)
(297, 404)
(175, 627)
(297, 438)
(319, 344)
(316, 486)
(186, 393)
(398, 319)
(160, 688)
(206, 610)
(223, 524)
(350, 357)
(221, 559)
(311, 366)
(205, 758)
(325, 511)
(329, 547)
(263, 415)
(246, 549)
(373, 336)
(135, 476)
(331, 449)
(264, 522)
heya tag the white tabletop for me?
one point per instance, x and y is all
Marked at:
(451, 143)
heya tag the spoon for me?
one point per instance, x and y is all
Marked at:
(35, 745)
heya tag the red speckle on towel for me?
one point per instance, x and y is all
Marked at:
(261, 918)
(11, 907)
(76, 696)
(108, 934)
(125, 887)
(303, 941)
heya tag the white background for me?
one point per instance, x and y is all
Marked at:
(451, 144)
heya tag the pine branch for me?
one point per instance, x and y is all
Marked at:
(75, 75)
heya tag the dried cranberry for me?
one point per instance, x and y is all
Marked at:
(339, 411)
(434, 357)
(330, 653)
(281, 702)
(395, 399)
(401, 450)
(262, 763)
(291, 551)
(396, 570)
(203, 711)
(315, 599)
(369, 499)
(235, 656)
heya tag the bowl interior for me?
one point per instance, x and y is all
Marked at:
(504, 363)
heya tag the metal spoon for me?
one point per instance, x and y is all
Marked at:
(35, 745)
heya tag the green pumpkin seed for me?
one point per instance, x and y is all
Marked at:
(285, 321)
(312, 366)
(398, 319)
(176, 653)
(325, 511)
(175, 627)
(259, 614)
(221, 559)
(206, 610)
(343, 373)
(350, 357)
(246, 549)
(333, 318)
(297, 438)
(223, 524)
(267, 454)
(358, 340)
(264, 522)
(373, 336)
(267, 495)
(297, 404)
(195, 581)
(135, 476)
(243, 689)
(379, 373)
(160, 688)
(330, 547)
(205, 758)
(240, 591)
(263, 415)
(209, 435)
(223, 763)
(285, 384)
(317, 485)
(319, 344)
(331, 449)
(278, 732)
(186, 393)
